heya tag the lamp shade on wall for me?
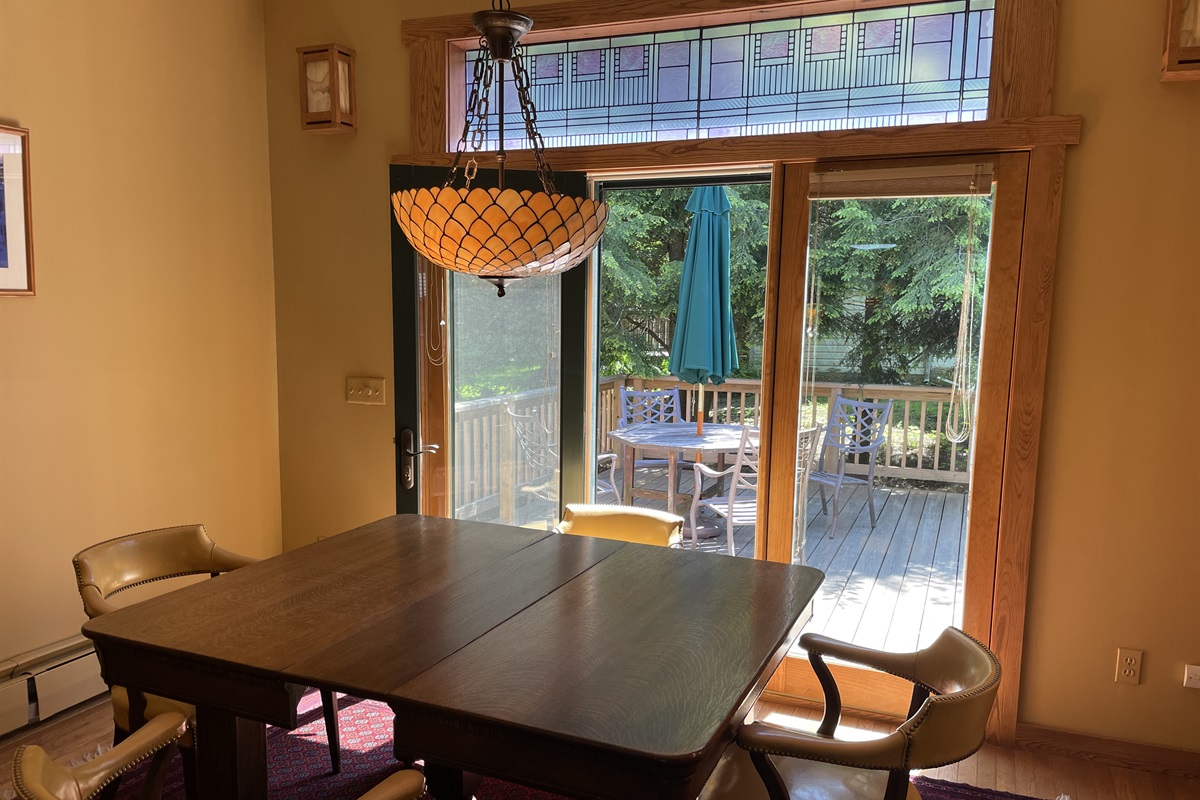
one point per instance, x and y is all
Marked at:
(328, 103)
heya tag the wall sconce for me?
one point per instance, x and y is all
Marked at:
(328, 103)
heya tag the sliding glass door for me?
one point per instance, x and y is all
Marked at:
(897, 299)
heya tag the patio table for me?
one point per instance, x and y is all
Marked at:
(674, 438)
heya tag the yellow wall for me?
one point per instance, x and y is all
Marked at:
(1116, 556)
(138, 389)
(333, 267)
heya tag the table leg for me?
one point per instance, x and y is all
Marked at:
(627, 475)
(448, 783)
(672, 467)
(231, 756)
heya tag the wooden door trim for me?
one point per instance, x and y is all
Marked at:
(782, 424)
(990, 136)
(775, 234)
(994, 389)
(1039, 251)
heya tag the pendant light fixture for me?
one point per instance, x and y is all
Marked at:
(499, 234)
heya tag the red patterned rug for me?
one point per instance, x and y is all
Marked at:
(931, 789)
(299, 762)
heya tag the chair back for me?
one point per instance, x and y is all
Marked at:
(856, 426)
(37, 777)
(806, 451)
(535, 441)
(648, 406)
(950, 724)
(112, 566)
(745, 465)
(623, 523)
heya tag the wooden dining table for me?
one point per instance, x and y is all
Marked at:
(589, 667)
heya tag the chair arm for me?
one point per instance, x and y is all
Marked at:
(703, 470)
(883, 753)
(225, 561)
(160, 732)
(407, 784)
(902, 665)
(93, 601)
(610, 457)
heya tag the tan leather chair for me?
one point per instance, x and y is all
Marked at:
(109, 567)
(955, 681)
(36, 777)
(624, 523)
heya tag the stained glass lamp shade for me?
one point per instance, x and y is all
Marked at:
(500, 234)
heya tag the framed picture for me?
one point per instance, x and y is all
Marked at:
(16, 223)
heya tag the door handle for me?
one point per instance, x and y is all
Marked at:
(410, 450)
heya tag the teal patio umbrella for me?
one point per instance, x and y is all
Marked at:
(703, 349)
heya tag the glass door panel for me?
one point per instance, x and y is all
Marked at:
(873, 276)
(643, 256)
(884, 512)
(504, 366)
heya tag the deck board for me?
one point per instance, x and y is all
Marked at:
(894, 586)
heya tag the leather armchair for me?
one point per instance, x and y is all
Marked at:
(37, 777)
(115, 565)
(624, 523)
(955, 681)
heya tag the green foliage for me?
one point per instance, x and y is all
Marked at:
(912, 292)
(642, 258)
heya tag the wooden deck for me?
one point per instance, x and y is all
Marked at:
(894, 587)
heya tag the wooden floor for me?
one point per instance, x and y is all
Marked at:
(892, 587)
(78, 733)
(1024, 772)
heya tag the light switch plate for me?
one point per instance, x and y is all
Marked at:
(1191, 676)
(366, 391)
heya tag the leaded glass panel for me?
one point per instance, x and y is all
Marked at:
(905, 65)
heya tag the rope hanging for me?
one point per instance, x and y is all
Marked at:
(812, 320)
(960, 411)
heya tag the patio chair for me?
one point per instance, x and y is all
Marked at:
(661, 405)
(739, 505)
(37, 777)
(113, 566)
(623, 523)
(540, 451)
(955, 681)
(855, 428)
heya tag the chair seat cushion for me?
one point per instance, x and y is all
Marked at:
(735, 778)
(623, 523)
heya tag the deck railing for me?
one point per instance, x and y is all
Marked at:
(916, 445)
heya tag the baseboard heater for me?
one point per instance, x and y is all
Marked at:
(37, 685)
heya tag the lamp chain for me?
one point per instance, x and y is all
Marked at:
(476, 102)
(529, 114)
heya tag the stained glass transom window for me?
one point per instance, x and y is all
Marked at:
(907, 65)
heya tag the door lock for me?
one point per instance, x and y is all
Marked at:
(410, 450)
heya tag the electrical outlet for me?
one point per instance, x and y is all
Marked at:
(366, 391)
(1191, 676)
(1129, 666)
